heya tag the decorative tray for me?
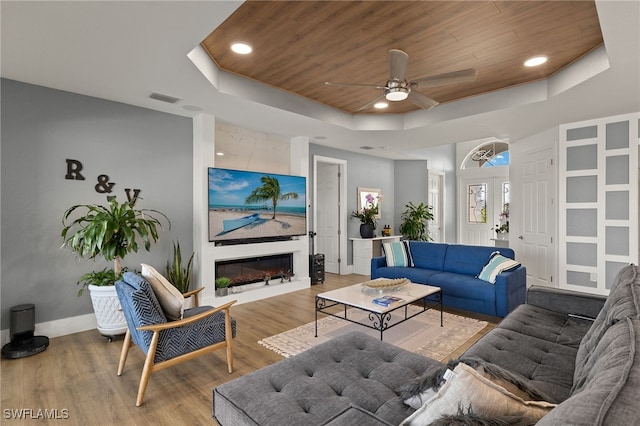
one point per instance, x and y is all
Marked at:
(384, 285)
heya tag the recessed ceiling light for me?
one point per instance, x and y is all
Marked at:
(535, 61)
(219, 154)
(241, 48)
(381, 105)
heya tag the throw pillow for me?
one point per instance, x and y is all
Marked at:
(419, 390)
(170, 298)
(397, 254)
(467, 388)
(497, 263)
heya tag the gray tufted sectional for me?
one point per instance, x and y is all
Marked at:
(590, 368)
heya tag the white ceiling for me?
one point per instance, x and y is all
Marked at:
(124, 51)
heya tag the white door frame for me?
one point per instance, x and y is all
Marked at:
(342, 202)
(441, 200)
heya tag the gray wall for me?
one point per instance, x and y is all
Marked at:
(135, 147)
(411, 185)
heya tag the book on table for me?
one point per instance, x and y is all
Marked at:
(386, 300)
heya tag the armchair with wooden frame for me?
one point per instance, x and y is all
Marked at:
(202, 329)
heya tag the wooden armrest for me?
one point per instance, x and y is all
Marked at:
(196, 296)
(192, 292)
(185, 321)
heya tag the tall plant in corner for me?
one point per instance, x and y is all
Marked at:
(110, 232)
(414, 222)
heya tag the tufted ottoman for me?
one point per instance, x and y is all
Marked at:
(352, 379)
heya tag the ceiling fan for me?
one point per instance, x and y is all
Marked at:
(397, 88)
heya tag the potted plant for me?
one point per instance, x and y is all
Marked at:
(221, 285)
(414, 222)
(110, 232)
(502, 227)
(178, 275)
(367, 217)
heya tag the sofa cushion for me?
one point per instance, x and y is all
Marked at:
(397, 253)
(623, 302)
(468, 388)
(428, 255)
(355, 416)
(415, 275)
(609, 394)
(497, 263)
(549, 366)
(469, 260)
(311, 387)
(547, 325)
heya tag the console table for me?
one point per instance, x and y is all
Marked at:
(366, 248)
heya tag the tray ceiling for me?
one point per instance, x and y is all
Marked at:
(297, 46)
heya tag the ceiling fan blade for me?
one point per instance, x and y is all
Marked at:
(370, 104)
(461, 76)
(398, 61)
(421, 100)
(331, 83)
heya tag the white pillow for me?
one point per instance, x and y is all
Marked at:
(470, 390)
(170, 298)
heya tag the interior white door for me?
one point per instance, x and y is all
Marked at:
(536, 217)
(435, 200)
(328, 215)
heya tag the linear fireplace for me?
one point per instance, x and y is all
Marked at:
(256, 269)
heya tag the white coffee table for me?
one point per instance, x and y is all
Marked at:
(379, 316)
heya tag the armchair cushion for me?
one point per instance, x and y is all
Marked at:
(170, 298)
(140, 307)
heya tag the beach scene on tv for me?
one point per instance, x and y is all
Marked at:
(250, 205)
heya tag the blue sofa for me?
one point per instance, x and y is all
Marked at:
(454, 269)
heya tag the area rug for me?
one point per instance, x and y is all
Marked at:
(421, 334)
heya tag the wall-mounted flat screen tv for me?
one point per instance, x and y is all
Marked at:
(247, 207)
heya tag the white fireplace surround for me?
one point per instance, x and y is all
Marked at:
(207, 253)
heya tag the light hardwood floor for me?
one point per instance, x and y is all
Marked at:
(76, 376)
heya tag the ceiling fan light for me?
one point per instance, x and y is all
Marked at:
(396, 94)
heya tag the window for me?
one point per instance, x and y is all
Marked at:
(491, 154)
(477, 203)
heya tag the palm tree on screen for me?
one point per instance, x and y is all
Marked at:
(270, 190)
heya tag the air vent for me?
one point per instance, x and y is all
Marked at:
(366, 147)
(164, 98)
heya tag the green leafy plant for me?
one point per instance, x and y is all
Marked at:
(99, 278)
(223, 282)
(178, 275)
(109, 231)
(414, 222)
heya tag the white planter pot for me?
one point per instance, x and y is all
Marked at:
(106, 305)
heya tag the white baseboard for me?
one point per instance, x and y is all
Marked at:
(57, 328)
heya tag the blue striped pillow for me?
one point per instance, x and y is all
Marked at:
(397, 254)
(497, 263)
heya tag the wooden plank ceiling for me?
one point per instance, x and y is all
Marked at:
(298, 45)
